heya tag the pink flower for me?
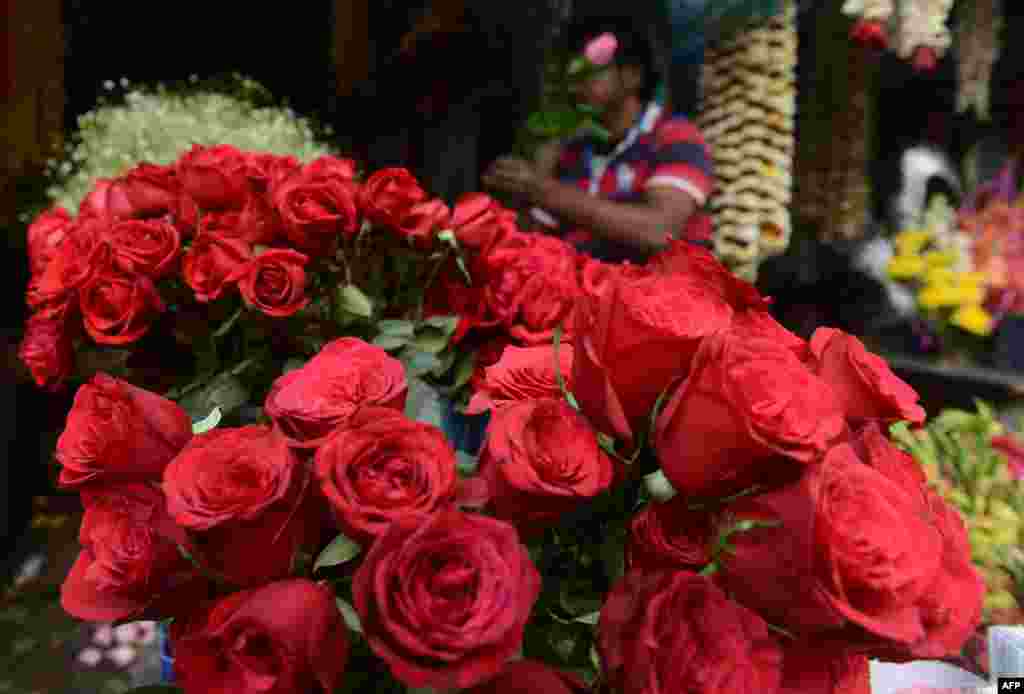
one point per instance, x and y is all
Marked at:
(601, 50)
(1013, 449)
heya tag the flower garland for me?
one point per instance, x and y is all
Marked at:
(156, 124)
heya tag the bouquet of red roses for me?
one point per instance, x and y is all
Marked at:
(216, 271)
(341, 547)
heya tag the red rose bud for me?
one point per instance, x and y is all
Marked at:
(215, 177)
(863, 381)
(118, 307)
(381, 467)
(45, 235)
(274, 282)
(116, 432)
(129, 564)
(444, 599)
(388, 195)
(813, 667)
(522, 374)
(676, 631)
(256, 222)
(637, 339)
(479, 223)
(234, 490)
(317, 209)
(541, 460)
(870, 34)
(683, 257)
(283, 638)
(330, 167)
(422, 222)
(211, 261)
(148, 247)
(669, 535)
(47, 350)
(310, 403)
(265, 170)
(747, 406)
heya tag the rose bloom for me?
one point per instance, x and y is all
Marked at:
(255, 223)
(480, 222)
(310, 403)
(683, 257)
(211, 261)
(317, 210)
(129, 564)
(44, 235)
(676, 631)
(423, 220)
(265, 170)
(274, 282)
(541, 459)
(531, 677)
(215, 177)
(116, 432)
(147, 247)
(860, 551)
(522, 374)
(78, 257)
(283, 638)
(382, 466)
(669, 536)
(148, 191)
(635, 340)
(118, 307)
(47, 350)
(863, 381)
(747, 406)
(235, 490)
(444, 599)
(813, 667)
(388, 195)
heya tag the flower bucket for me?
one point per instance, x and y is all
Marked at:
(466, 432)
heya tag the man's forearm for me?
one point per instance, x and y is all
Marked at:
(640, 226)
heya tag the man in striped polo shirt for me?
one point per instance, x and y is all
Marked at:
(625, 198)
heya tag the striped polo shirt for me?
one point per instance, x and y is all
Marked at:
(661, 150)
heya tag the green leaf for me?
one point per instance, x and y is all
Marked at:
(207, 423)
(352, 300)
(569, 397)
(397, 328)
(656, 412)
(226, 326)
(446, 361)
(446, 324)
(350, 615)
(418, 362)
(447, 236)
(292, 365)
(155, 689)
(464, 369)
(431, 340)
(341, 550)
(390, 342)
(590, 618)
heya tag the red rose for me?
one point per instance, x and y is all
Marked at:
(522, 374)
(444, 599)
(862, 380)
(215, 177)
(760, 324)
(669, 536)
(116, 432)
(129, 564)
(82, 252)
(423, 220)
(47, 350)
(146, 247)
(256, 222)
(684, 257)
(860, 553)
(479, 222)
(811, 668)
(310, 403)
(155, 191)
(317, 211)
(210, 262)
(105, 201)
(234, 490)
(871, 34)
(635, 340)
(388, 195)
(487, 355)
(676, 631)
(746, 402)
(531, 677)
(541, 459)
(330, 167)
(45, 235)
(118, 307)
(265, 170)
(274, 282)
(284, 638)
(382, 466)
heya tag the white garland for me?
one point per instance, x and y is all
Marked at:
(156, 126)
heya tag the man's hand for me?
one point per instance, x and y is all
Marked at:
(515, 176)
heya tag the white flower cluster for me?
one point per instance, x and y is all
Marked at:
(157, 126)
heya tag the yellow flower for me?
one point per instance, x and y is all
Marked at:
(974, 319)
(940, 258)
(939, 275)
(911, 241)
(973, 278)
(935, 296)
(970, 294)
(905, 267)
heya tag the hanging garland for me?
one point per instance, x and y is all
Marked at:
(748, 118)
(978, 47)
(913, 29)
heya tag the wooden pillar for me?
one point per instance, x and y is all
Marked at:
(32, 94)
